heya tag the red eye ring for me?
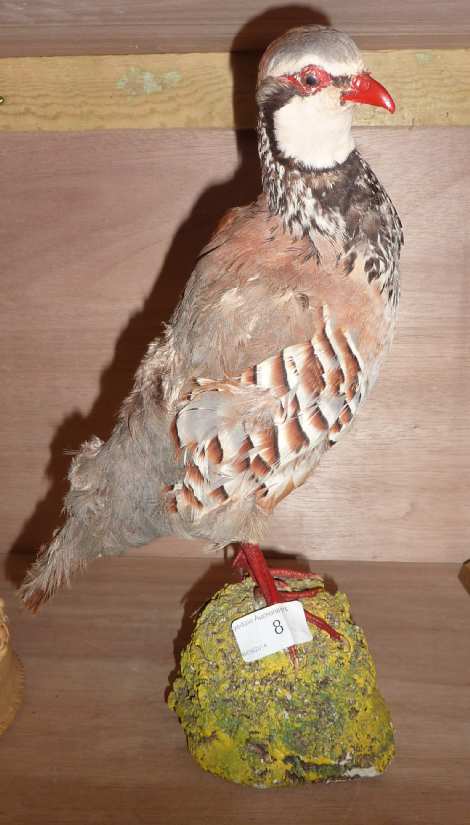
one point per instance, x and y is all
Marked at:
(309, 80)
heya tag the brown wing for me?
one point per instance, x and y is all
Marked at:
(261, 433)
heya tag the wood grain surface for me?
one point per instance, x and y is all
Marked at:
(42, 27)
(99, 234)
(87, 93)
(95, 743)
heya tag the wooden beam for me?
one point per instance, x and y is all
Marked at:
(58, 27)
(160, 91)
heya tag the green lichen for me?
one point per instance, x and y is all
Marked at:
(271, 723)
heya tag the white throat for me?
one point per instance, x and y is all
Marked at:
(316, 130)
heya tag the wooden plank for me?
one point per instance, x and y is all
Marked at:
(208, 91)
(54, 27)
(96, 743)
(99, 234)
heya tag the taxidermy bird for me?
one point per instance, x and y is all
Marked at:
(273, 348)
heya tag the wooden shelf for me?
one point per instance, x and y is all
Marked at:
(153, 91)
(96, 743)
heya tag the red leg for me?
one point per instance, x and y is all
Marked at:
(242, 561)
(251, 559)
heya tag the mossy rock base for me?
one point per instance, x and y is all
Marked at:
(270, 723)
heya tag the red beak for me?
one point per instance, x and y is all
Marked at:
(364, 89)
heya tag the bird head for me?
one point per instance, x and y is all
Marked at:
(308, 83)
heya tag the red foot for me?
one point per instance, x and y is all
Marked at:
(241, 561)
(250, 559)
(282, 572)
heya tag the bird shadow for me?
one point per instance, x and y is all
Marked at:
(116, 379)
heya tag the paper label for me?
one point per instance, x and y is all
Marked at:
(271, 629)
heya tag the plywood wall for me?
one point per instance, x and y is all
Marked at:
(99, 232)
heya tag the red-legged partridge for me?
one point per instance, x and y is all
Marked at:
(273, 348)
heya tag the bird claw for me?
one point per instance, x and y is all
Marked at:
(250, 559)
(240, 561)
(312, 618)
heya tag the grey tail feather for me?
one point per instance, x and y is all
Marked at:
(54, 565)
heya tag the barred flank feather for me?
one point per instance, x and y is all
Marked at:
(263, 432)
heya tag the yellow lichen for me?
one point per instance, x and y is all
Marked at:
(269, 723)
